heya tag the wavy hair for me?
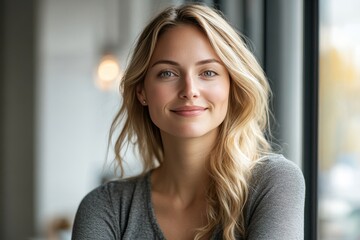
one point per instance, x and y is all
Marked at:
(242, 142)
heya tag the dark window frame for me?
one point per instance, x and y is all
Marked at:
(310, 115)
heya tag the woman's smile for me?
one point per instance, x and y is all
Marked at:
(189, 111)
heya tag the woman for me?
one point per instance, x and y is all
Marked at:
(195, 103)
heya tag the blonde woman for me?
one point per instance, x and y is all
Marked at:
(195, 103)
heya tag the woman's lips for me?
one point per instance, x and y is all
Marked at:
(189, 111)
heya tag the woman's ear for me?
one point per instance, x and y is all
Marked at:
(140, 93)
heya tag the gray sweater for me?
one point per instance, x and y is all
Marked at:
(123, 210)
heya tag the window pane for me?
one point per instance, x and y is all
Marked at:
(339, 120)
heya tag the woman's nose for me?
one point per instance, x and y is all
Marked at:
(189, 88)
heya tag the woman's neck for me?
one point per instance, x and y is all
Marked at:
(183, 172)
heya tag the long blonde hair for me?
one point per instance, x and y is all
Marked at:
(242, 141)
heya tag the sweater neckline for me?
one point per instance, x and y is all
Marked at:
(151, 210)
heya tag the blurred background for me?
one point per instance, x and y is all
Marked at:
(339, 120)
(60, 65)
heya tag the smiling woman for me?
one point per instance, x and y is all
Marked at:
(195, 103)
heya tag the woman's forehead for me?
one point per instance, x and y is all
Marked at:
(184, 41)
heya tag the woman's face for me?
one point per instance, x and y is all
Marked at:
(186, 87)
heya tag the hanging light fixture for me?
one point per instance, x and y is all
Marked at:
(108, 68)
(108, 72)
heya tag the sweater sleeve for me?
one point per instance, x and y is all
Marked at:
(277, 202)
(95, 217)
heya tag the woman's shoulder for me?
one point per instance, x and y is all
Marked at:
(104, 211)
(276, 199)
(113, 195)
(276, 166)
(276, 173)
(117, 189)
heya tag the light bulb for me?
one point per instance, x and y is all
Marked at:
(108, 72)
(108, 69)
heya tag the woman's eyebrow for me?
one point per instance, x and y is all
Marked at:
(165, 62)
(202, 62)
(206, 61)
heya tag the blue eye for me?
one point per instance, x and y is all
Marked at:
(166, 74)
(209, 73)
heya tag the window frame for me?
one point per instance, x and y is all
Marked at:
(310, 115)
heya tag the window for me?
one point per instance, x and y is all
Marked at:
(339, 120)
